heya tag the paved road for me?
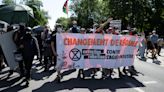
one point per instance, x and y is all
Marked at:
(150, 79)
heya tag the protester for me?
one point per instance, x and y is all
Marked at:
(154, 40)
(81, 71)
(74, 28)
(38, 36)
(29, 48)
(108, 72)
(53, 47)
(100, 29)
(109, 30)
(46, 38)
(1, 59)
(116, 32)
(17, 38)
(160, 45)
(131, 69)
(94, 30)
(83, 31)
(58, 29)
(149, 44)
(142, 46)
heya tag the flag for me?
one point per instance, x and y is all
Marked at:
(65, 7)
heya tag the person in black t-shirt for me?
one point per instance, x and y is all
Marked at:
(17, 38)
(29, 49)
(58, 29)
(46, 38)
(1, 59)
(74, 28)
(53, 47)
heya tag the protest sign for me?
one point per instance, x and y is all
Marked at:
(8, 48)
(116, 24)
(96, 50)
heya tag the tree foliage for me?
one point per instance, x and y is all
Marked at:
(7, 2)
(41, 16)
(65, 22)
(143, 14)
(36, 3)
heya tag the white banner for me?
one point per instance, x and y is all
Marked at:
(8, 47)
(78, 51)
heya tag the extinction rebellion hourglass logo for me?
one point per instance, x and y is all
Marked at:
(75, 54)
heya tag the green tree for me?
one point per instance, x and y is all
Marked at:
(36, 3)
(158, 13)
(41, 16)
(87, 11)
(131, 12)
(143, 14)
(65, 22)
(7, 2)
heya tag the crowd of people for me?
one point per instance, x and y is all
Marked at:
(43, 45)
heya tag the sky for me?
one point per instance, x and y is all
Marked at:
(54, 8)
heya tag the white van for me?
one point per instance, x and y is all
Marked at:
(3, 26)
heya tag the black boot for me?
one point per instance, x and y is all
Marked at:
(10, 73)
(59, 77)
(81, 73)
(124, 71)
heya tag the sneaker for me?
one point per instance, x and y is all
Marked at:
(58, 78)
(105, 76)
(27, 83)
(120, 74)
(10, 73)
(154, 57)
(124, 71)
(82, 75)
(93, 76)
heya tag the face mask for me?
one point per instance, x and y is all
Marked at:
(95, 28)
(74, 26)
(59, 30)
(28, 35)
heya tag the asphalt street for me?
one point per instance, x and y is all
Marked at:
(150, 78)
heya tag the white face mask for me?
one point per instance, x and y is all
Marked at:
(94, 28)
(59, 30)
(74, 26)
